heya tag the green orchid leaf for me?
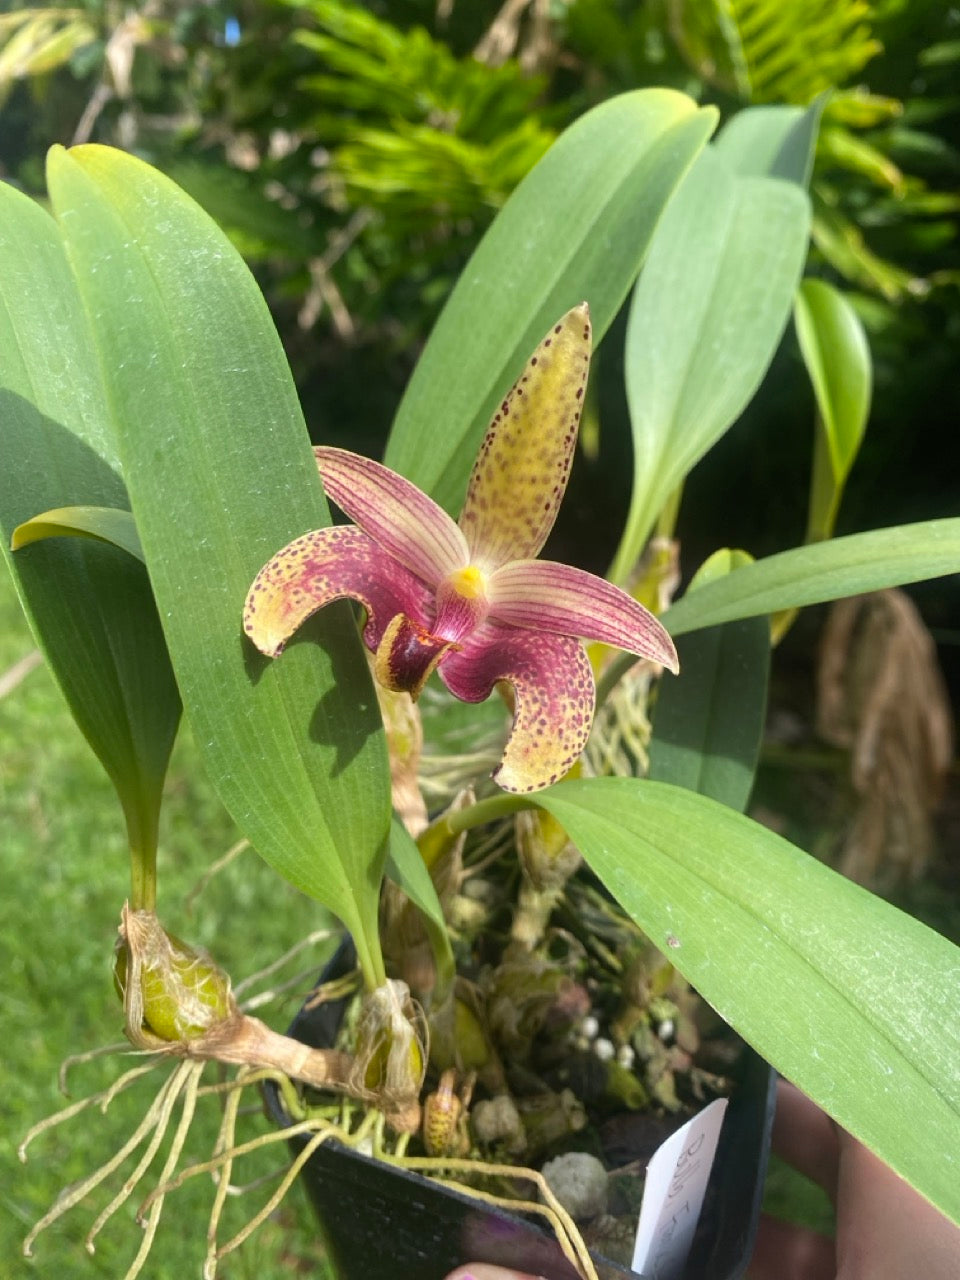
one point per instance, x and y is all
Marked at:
(849, 998)
(708, 726)
(220, 475)
(103, 524)
(837, 355)
(824, 571)
(577, 227)
(89, 604)
(406, 868)
(773, 142)
(705, 321)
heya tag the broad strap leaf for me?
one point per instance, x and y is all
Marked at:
(851, 999)
(89, 605)
(706, 318)
(220, 475)
(825, 571)
(576, 228)
(708, 726)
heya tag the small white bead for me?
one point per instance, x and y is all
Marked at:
(666, 1029)
(589, 1026)
(626, 1056)
(603, 1048)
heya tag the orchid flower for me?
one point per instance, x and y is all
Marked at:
(469, 598)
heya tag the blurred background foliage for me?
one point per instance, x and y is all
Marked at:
(355, 153)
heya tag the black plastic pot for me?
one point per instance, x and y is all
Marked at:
(380, 1222)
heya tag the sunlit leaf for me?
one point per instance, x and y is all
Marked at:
(104, 524)
(825, 571)
(705, 321)
(89, 604)
(576, 228)
(773, 142)
(406, 868)
(837, 355)
(220, 475)
(708, 725)
(851, 999)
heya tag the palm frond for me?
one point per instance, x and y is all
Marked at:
(776, 50)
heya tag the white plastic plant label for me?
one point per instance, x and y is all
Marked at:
(677, 1177)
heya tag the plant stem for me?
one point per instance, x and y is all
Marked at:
(143, 878)
(141, 811)
(489, 810)
(369, 955)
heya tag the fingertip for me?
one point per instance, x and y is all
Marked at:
(806, 1138)
(485, 1271)
(787, 1252)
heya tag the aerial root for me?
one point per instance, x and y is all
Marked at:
(104, 1098)
(318, 935)
(157, 1115)
(225, 1158)
(183, 1085)
(335, 989)
(210, 1270)
(214, 869)
(225, 1141)
(344, 1121)
(566, 1230)
(78, 1059)
(183, 1081)
(191, 1072)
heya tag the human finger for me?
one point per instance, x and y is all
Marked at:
(485, 1271)
(806, 1138)
(787, 1252)
(885, 1229)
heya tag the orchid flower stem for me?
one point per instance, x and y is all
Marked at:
(484, 811)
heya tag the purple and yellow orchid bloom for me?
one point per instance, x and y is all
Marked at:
(469, 598)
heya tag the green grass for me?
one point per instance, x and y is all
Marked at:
(64, 874)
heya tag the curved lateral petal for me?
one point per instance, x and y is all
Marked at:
(521, 471)
(545, 596)
(395, 513)
(323, 566)
(553, 684)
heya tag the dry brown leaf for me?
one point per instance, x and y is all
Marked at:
(881, 694)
